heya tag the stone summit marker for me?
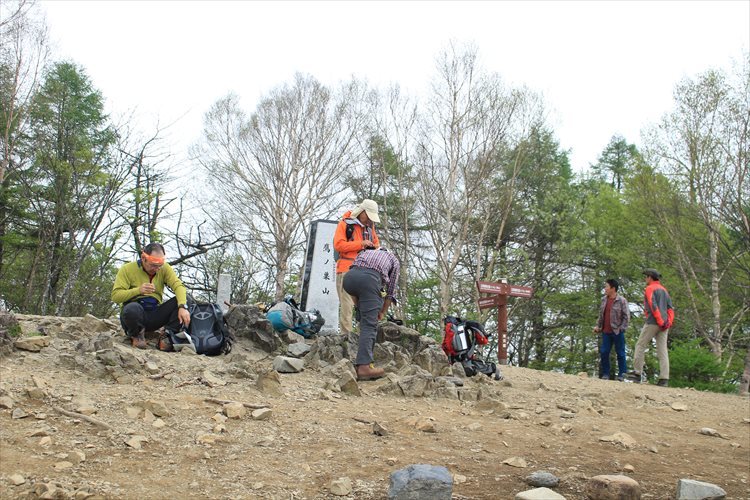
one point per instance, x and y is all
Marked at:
(319, 278)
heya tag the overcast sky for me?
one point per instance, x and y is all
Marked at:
(604, 68)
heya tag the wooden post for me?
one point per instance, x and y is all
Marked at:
(499, 298)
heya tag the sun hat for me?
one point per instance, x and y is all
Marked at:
(370, 207)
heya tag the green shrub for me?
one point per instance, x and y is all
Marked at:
(693, 365)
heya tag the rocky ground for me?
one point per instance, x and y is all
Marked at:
(84, 415)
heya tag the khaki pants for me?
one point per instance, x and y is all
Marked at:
(346, 306)
(649, 332)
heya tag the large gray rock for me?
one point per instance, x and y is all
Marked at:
(247, 321)
(612, 487)
(298, 349)
(542, 479)
(433, 359)
(33, 344)
(329, 350)
(689, 489)
(284, 364)
(421, 482)
(410, 340)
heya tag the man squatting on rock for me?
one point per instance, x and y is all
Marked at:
(371, 281)
(139, 287)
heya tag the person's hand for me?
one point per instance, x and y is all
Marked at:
(184, 316)
(367, 244)
(665, 326)
(147, 288)
(597, 329)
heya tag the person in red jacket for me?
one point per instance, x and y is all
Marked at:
(354, 233)
(659, 315)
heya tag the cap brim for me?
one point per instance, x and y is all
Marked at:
(373, 216)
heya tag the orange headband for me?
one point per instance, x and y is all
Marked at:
(157, 261)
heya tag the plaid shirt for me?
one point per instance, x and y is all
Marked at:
(383, 262)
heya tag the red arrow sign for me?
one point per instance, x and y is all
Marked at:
(488, 302)
(520, 291)
(492, 287)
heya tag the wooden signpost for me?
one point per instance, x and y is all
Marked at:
(499, 293)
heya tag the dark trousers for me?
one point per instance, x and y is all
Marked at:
(134, 318)
(365, 285)
(619, 342)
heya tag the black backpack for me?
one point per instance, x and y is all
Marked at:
(207, 332)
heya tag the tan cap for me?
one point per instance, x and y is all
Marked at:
(369, 206)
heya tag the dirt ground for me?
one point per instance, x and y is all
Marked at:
(316, 435)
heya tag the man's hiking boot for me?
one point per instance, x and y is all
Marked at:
(369, 372)
(633, 376)
(165, 343)
(498, 374)
(663, 382)
(620, 378)
(139, 340)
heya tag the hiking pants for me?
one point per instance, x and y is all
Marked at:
(134, 318)
(365, 284)
(649, 332)
(608, 339)
(346, 304)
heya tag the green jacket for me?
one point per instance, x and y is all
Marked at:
(131, 276)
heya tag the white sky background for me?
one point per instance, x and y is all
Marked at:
(604, 68)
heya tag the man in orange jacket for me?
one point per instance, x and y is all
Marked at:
(659, 315)
(354, 233)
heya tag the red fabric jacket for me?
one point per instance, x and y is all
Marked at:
(657, 306)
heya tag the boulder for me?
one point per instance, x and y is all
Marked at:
(689, 489)
(539, 494)
(421, 481)
(284, 364)
(612, 487)
(247, 321)
(33, 344)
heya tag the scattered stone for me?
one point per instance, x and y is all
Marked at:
(6, 402)
(36, 393)
(542, 479)
(653, 449)
(188, 350)
(459, 479)
(678, 406)
(474, 426)
(135, 442)
(613, 487)
(62, 465)
(17, 479)
(205, 438)
(707, 431)
(262, 414)
(158, 408)
(391, 460)
(620, 438)
(628, 468)
(45, 441)
(539, 494)
(515, 462)
(18, 413)
(583, 375)
(421, 481)
(298, 349)
(234, 410)
(219, 418)
(689, 489)
(77, 456)
(148, 417)
(133, 412)
(33, 344)
(379, 430)
(158, 424)
(736, 445)
(269, 383)
(152, 367)
(212, 379)
(341, 487)
(348, 384)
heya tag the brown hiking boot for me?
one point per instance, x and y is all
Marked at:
(369, 372)
(165, 343)
(139, 340)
